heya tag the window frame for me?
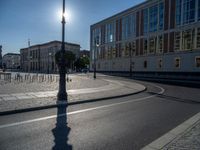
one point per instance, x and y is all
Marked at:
(176, 40)
(197, 66)
(158, 49)
(197, 36)
(160, 63)
(175, 61)
(145, 64)
(192, 38)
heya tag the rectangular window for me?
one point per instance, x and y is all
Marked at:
(160, 63)
(161, 16)
(188, 11)
(152, 45)
(160, 44)
(145, 46)
(177, 41)
(177, 62)
(106, 52)
(123, 46)
(109, 52)
(197, 61)
(110, 32)
(178, 12)
(188, 39)
(128, 26)
(133, 48)
(127, 50)
(198, 37)
(153, 18)
(146, 21)
(114, 51)
(199, 10)
(145, 64)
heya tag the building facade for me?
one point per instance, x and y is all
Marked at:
(1, 57)
(41, 58)
(160, 36)
(11, 61)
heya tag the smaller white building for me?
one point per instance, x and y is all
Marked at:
(11, 61)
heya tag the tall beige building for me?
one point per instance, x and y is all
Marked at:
(41, 57)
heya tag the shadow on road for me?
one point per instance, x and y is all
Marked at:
(173, 98)
(61, 131)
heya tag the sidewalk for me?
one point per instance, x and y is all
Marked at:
(186, 136)
(19, 97)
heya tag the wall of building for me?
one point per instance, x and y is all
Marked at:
(157, 63)
(41, 58)
(12, 61)
(150, 33)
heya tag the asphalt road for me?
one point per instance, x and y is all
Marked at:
(116, 124)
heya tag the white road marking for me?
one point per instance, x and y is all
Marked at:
(81, 111)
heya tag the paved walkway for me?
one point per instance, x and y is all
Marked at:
(102, 89)
(190, 139)
(186, 136)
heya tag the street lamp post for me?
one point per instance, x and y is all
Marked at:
(62, 94)
(49, 54)
(96, 47)
(130, 53)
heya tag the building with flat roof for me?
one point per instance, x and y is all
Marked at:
(11, 61)
(41, 57)
(156, 37)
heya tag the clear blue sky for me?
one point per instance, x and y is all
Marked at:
(39, 20)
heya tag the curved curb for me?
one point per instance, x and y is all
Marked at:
(65, 104)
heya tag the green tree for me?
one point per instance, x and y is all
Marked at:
(69, 58)
(82, 62)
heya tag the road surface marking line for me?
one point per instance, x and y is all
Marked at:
(173, 134)
(80, 111)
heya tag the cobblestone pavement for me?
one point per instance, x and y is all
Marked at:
(82, 88)
(189, 140)
(77, 82)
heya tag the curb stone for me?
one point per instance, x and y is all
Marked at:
(65, 104)
(163, 141)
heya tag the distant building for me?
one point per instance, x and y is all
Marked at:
(155, 37)
(41, 57)
(85, 53)
(11, 61)
(0, 56)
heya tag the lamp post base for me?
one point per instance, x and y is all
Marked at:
(62, 96)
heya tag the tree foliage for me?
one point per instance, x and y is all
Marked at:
(82, 62)
(69, 58)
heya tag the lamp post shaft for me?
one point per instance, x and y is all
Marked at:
(130, 53)
(95, 62)
(95, 55)
(62, 94)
